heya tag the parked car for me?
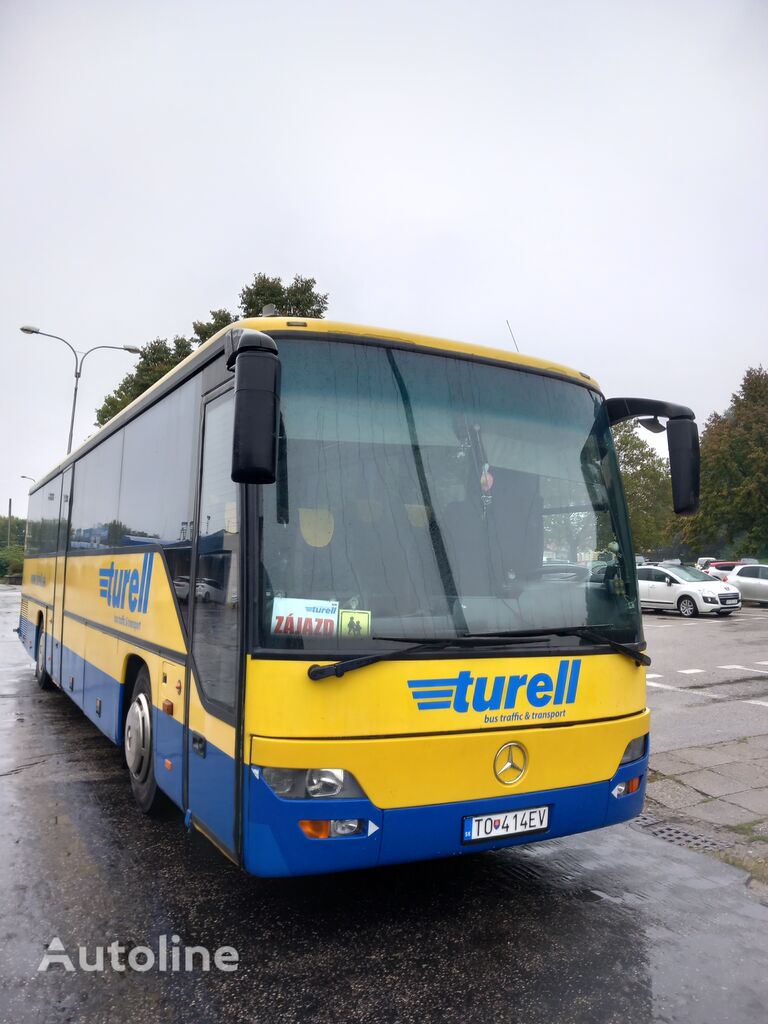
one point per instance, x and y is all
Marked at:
(209, 590)
(721, 569)
(181, 586)
(751, 582)
(704, 562)
(688, 591)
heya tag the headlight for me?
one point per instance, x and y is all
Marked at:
(710, 599)
(319, 783)
(635, 749)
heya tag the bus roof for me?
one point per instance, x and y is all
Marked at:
(300, 324)
(304, 325)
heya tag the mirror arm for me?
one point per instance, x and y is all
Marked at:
(621, 409)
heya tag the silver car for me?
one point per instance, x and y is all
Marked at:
(751, 581)
(688, 591)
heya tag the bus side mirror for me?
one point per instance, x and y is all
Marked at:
(684, 465)
(682, 440)
(254, 358)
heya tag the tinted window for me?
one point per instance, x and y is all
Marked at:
(43, 519)
(49, 532)
(95, 522)
(430, 494)
(658, 576)
(763, 572)
(156, 503)
(215, 633)
(750, 571)
(66, 492)
(643, 574)
(34, 524)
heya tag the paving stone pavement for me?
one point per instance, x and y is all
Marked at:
(720, 788)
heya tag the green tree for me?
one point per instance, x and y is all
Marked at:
(18, 531)
(205, 329)
(647, 486)
(11, 559)
(156, 359)
(299, 298)
(734, 474)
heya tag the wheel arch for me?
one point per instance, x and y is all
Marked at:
(133, 665)
(39, 629)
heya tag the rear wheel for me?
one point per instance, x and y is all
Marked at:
(44, 681)
(138, 745)
(687, 607)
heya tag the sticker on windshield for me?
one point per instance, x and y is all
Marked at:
(354, 624)
(295, 616)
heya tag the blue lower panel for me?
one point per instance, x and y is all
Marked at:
(86, 684)
(212, 791)
(169, 746)
(275, 845)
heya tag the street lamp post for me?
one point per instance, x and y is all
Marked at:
(79, 360)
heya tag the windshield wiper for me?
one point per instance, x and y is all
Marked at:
(588, 632)
(596, 633)
(474, 640)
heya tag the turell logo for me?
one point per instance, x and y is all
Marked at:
(119, 587)
(483, 694)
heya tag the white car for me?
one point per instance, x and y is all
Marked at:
(752, 582)
(209, 590)
(688, 591)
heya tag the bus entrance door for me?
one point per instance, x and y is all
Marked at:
(212, 758)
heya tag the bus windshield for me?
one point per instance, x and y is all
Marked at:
(424, 496)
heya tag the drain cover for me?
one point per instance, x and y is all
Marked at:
(679, 836)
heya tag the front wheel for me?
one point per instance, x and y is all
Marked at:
(687, 607)
(44, 681)
(138, 745)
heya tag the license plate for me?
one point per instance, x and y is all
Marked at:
(480, 827)
(731, 600)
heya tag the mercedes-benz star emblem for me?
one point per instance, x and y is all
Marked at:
(510, 763)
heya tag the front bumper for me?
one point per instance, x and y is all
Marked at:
(722, 605)
(274, 845)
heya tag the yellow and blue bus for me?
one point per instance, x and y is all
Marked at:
(351, 597)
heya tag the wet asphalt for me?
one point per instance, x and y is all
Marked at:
(612, 926)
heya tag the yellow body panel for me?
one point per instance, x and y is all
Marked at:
(158, 624)
(38, 579)
(109, 653)
(217, 732)
(282, 701)
(417, 770)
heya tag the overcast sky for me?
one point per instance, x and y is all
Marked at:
(596, 172)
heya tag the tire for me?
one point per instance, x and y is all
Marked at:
(687, 608)
(42, 678)
(138, 745)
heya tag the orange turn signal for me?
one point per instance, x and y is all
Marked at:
(315, 829)
(634, 784)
